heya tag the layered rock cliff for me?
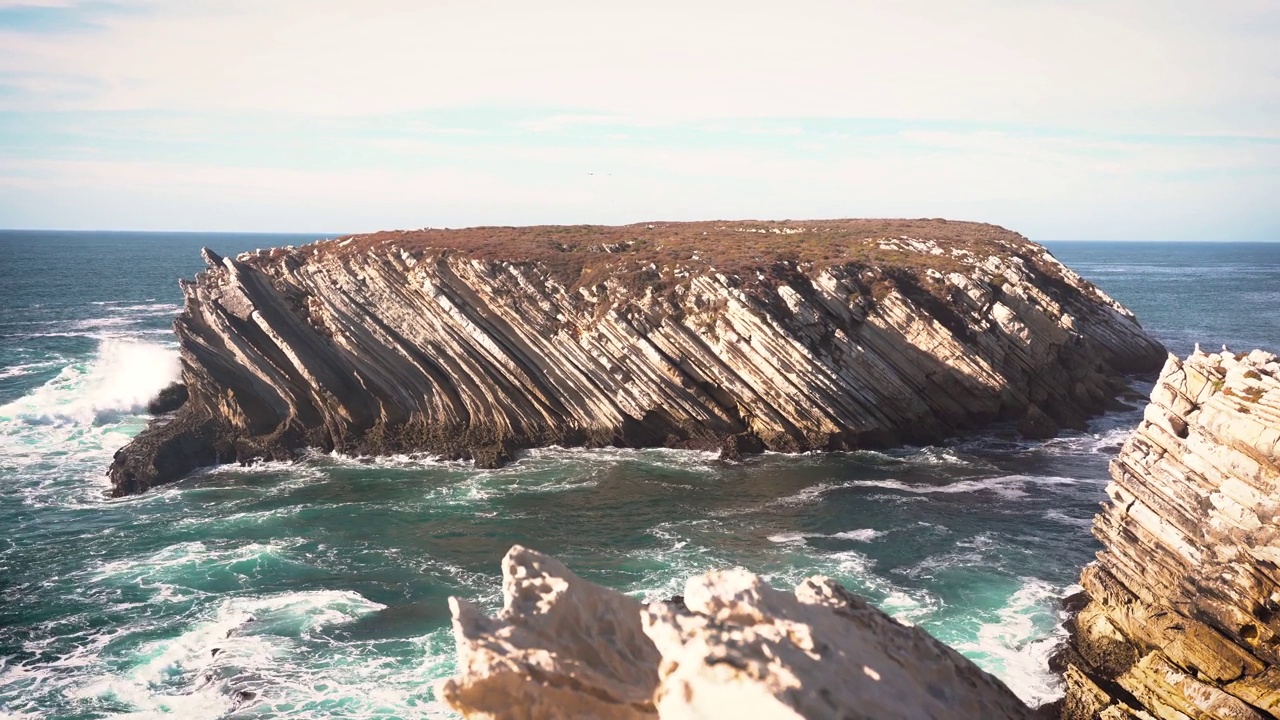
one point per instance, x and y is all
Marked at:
(746, 336)
(1183, 613)
(731, 647)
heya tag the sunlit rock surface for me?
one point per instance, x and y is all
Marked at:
(743, 336)
(1182, 621)
(733, 648)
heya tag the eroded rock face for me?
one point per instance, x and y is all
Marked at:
(744, 649)
(560, 648)
(735, 647)
(475, 343)
(1182, 621)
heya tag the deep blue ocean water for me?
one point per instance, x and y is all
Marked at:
(320, 586)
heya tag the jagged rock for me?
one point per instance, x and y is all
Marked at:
(1182, 620)
(560, 648)
(735, 647)
(744, 649)
(472, 343)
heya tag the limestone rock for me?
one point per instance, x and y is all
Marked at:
(735, 647)
(476, 343)
(744, 649)
(560, 648)
(1183, 619)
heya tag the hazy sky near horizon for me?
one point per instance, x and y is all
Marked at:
(1089, 119)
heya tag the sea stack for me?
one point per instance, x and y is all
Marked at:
(739, 336)
(1183, 613)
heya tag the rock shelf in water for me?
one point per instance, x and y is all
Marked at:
(742, 336)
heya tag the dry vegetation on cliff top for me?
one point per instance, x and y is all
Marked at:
(584, 254)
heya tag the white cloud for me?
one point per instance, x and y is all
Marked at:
(1049, 188)
(1060, 119)
(1141, 65)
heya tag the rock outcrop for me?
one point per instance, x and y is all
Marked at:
(474, 343)
(1183, 618)
(735, 647)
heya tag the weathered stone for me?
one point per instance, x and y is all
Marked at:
(747, 650)
(560, 648)
(474, 343)
(735, 647)
(735, 446)
(1185, 595)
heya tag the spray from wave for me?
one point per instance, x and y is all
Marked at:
(119, 380)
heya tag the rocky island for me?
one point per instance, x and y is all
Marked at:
(743, 336)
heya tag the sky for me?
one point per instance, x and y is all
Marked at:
(1073, 119)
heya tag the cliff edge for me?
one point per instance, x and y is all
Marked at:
(743, 336)
(1183, 613)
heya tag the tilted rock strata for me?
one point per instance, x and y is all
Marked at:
(475, 343)
(1182, 620)
(564, 648)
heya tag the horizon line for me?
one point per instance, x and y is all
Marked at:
(331, 235)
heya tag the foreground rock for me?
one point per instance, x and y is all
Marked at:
(743, 336)
(1184, 598)
(735, 648)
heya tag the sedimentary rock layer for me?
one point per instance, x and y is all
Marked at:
(1182, 619)
(747, 336)
(731, 647)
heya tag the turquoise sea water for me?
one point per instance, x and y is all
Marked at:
(318, 589)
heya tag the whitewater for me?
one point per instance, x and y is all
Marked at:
(318, 588)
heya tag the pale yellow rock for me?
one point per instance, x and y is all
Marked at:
(1170, 693)
(1185, 594)
(563, 648)
(747, 650)
(560, 647)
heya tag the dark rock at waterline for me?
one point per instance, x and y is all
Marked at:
(492, 456)
(171, 398)
(1036, 425)
(735, 446)
(166, 450)
(475, 343)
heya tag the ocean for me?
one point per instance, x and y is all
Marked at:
(318, 589)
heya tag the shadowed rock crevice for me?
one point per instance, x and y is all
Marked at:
(798, 336)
